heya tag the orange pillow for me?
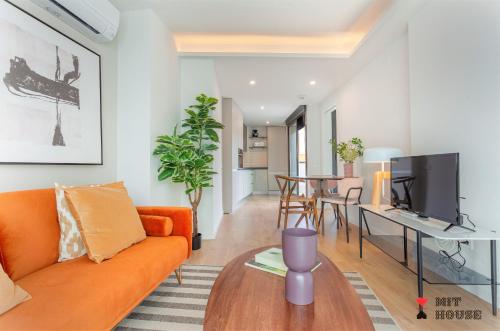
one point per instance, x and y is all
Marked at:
(107, 219)
(70, 241)
(10, 294)
(157, 226)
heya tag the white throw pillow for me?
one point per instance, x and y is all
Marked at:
(70, 242)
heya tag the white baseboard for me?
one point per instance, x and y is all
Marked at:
(259, 192)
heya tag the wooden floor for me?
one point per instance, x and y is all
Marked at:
(254, 225)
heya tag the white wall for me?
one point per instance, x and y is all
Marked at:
(148, 98)
(17, 177)
(455, 104)
(165, 105)
(198, 76)
(373, 105)
(227, 155)
(232, 140)
(134, 82)
(313, 131)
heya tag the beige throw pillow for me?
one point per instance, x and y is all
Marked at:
(10, 294)
(71, 243)
(107, 219)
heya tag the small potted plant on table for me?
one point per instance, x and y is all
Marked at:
(348, 151)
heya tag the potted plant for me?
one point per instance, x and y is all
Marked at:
(348, 151)
(187, 157)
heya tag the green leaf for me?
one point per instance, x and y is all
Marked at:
(212, 135)
(211, 147)
(166, 173)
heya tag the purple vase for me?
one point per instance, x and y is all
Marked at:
(299, 255)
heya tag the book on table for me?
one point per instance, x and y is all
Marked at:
(272, 257)
(271, 260)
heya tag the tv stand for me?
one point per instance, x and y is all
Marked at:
(424, 230)
(459, 226)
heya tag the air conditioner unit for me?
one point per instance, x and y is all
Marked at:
(97, 19)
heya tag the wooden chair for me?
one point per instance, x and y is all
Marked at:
(291, 203)
(349, 194)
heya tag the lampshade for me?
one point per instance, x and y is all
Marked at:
(380, 154)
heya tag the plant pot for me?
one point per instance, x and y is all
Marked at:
(197, 242)
(348, 170)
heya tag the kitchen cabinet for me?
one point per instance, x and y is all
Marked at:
(260, 181)
(245, 180)
(277, 155)
(255, 155)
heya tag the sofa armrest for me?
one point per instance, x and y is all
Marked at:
(182, 218)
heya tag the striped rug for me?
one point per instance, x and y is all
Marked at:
(174, 307)
(382, 320)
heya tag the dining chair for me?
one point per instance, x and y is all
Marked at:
(349, 194)
(318, 192)
(315, 186)
(291, 203)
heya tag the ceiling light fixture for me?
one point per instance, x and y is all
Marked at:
(312, 82)
(252, 82)
(261, 107)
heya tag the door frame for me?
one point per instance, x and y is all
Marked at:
(333, 120)
(301, 111)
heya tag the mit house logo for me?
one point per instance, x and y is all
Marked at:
(448, 308)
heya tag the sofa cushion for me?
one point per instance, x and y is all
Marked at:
(82, 295)
(29, 231)
(107, 219)
(157, 226)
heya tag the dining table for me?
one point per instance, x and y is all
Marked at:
(321, 190)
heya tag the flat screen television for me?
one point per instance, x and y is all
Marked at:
(427, 185)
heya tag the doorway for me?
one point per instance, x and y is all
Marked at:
(334, 137)
(302, 156)
(297, 145)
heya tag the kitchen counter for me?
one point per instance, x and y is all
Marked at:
(252, 168)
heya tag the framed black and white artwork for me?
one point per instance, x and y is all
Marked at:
(50, 94)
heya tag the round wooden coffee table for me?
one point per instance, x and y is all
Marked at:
(244, 298)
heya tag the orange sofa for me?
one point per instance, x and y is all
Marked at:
(79, 294)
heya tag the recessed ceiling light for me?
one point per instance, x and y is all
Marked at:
(312, 82)
(252, 82)
(267, 122)
(261, 107)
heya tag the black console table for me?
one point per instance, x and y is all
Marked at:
(433, 229)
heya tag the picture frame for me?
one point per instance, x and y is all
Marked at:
(50, 94)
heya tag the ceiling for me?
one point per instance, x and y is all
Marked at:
(281, 84)
(221, 27)
(291, 43)
(267, 17)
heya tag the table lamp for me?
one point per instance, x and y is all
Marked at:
(380, 155)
